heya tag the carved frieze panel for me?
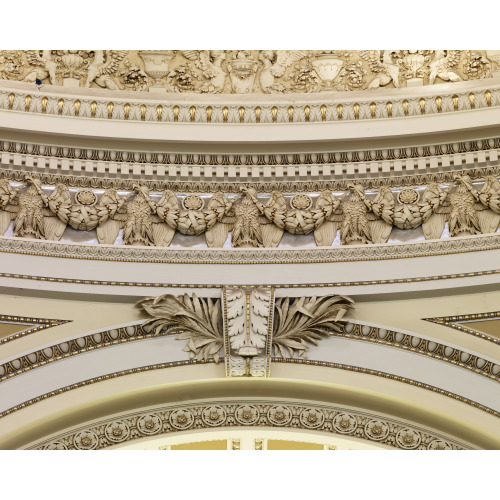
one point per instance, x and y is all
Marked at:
(244, 71)
(376, 429)
(357, 217)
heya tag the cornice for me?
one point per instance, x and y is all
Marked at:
(287, 172)
(374, 252)
(246, 414)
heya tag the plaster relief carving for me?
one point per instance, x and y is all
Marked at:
(305, 320)
(245, 71)
(197, 320)
(361, 218)
(248, 318)
(247, 324)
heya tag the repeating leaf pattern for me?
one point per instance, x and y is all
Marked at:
(197, 320)
(305, 320)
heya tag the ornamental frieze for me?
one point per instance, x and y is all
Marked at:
(245, 71)
(375, 429)
(246, 220)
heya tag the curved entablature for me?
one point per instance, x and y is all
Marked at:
(153, 219)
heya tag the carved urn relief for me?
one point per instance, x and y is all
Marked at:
(156, 66)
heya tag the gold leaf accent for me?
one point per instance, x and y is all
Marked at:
(356, 111)
(487, 94)
(421, 101)
(209, 114)
(405, 106)
(159, 112)
(455, 101)
(290, 114)
(241, 111)
(307, 112)
(192, 113)
(373, 107)
(60, 104)
(439, 102)
(143, 112)
(77, 107)
(225, 111)
(93, 108)
(27, 102)
(110, 110)
(45, 101)
(389, 109)
(126, 108)
(323, 112)
(257, 114)
(176, 113)
(471, 100)
(274, 112)
(339, 111)
(11, 100)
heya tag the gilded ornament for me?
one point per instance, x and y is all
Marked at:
(143, 112)
(257, 114)
(60, 104)
(126, 109)
(279, 415)
(93, 109)
(274, 113)
(117, 432)
(77, 107)
(345, 423)
(27, 102)
(356, 111)
(339, 111)
(214, 416)
(11, 100)
(241, 112)
(389, 109)
(181, 419)
(290, 114)
(45, 101)
(225, 111)
(487, 94)
(192, 113)
(405, 107)
(471, 100)
(149, 424)
(421, 102)
(159, 112)
(110, 110)
(176, 113)
(307, 111)
(373, 107)
(85, 440)
(455, 102)
(323, 112)
(408, 439)
(439, 101)
(247, 415)
(377, 430)
(312, 418)
(209, 114)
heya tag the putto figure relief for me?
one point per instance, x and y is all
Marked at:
(245, 71)
(153, 219)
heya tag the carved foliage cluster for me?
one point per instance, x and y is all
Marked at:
(297, 323)
(244, 71)
(359, 219)
(286, 416)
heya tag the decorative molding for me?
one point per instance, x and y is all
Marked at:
(164, 421)
(451, 321)
(116, 253)
(42, 322)
(248, 315)
(210, 173)
(339, 366)
(244, 71)
(282, 285)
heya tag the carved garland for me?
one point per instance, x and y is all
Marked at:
(217, 415)
(359, 218)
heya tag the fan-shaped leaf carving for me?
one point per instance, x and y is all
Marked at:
(196, 320)
(306, 320)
